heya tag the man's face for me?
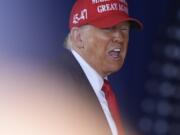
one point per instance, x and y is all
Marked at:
(105, 49)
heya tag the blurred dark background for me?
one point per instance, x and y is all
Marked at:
(148, 86)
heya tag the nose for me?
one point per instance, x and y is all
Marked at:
(120, 36)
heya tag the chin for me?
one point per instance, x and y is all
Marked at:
(114, 69)
(117, 65)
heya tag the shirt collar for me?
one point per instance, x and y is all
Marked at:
(94, 78)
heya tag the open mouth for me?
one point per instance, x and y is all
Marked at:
(115, 53)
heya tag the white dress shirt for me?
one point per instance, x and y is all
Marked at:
(96, 82)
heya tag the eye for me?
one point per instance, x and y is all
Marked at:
(124, 28)
(107, 29)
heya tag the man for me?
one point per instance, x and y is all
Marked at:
(97, 44)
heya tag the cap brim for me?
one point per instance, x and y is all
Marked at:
(110, 21)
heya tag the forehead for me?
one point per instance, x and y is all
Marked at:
(121, 25)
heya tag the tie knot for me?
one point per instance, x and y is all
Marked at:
(107, 89)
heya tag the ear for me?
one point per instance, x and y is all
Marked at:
(76, 37)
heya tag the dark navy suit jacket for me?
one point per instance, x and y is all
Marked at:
(72, 73)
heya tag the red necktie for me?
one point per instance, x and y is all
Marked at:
(113, 106)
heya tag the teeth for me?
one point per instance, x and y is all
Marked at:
(117, 50)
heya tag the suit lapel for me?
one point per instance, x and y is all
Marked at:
(81, 86)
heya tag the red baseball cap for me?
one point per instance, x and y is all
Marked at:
(101, 13)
